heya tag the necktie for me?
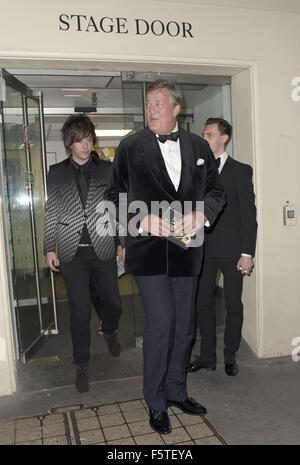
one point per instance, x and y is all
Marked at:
(83, 185)
(84, 188)
(173, 136)
(218, 161)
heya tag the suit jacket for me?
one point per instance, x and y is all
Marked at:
(65, 215)
(235, 230)
(139, 170)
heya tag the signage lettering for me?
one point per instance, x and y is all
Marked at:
(139, 26)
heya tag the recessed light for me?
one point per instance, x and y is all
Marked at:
(69, 89)
(112, 132)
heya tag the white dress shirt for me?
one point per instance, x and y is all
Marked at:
(170, 151)
(223, 158)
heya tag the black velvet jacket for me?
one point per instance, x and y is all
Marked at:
(139, 170)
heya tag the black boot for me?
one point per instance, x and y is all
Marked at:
(82, 379)
(113, 344)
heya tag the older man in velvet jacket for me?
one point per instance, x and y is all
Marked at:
(163, 162)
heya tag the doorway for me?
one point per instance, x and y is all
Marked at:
(114, 101)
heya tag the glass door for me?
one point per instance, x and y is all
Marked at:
(23, 180)
(36, 170)
(133, 94)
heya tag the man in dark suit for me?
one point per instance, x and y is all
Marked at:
(165, 163)
(85, 251)
(230, 247)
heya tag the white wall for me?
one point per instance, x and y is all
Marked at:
(211, 105)
(58, 148)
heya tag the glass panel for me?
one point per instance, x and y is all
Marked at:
(133, 103)
(18, 206)
(204, 101)
(38, 198)
(7, 225)
(134, 119)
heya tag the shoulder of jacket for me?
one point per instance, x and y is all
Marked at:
(196, 139)
(240, 165)
(133, 138)
(59, 165)
(130, 143)
(104, 164)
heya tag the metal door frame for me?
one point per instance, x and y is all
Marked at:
(26, 92)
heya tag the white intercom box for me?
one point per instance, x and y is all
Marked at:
(289, 215)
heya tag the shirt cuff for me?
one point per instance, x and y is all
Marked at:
(246, 255)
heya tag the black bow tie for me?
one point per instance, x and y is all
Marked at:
(173, 136)
(218, 161)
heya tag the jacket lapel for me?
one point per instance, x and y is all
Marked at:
(187, 163)
(226, 168)
(70, 184)
(98, 178)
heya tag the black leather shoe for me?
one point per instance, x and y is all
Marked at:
(159, 421)
(196, 365)
(231, 369)
(82, 380)
(189, 406)
(113, 344)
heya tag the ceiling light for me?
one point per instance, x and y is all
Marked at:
(72, 95)
(112, 132)
(69, 89)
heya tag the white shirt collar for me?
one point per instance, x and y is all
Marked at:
(223, 158)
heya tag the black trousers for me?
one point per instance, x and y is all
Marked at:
(169, 330)
(77, 274)
(233, 288)
(95, 298)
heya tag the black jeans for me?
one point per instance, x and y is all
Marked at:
(77, 274)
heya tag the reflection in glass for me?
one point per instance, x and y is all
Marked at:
(38, 199)
(20, 181)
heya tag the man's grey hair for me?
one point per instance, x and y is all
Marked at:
(174, 90)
